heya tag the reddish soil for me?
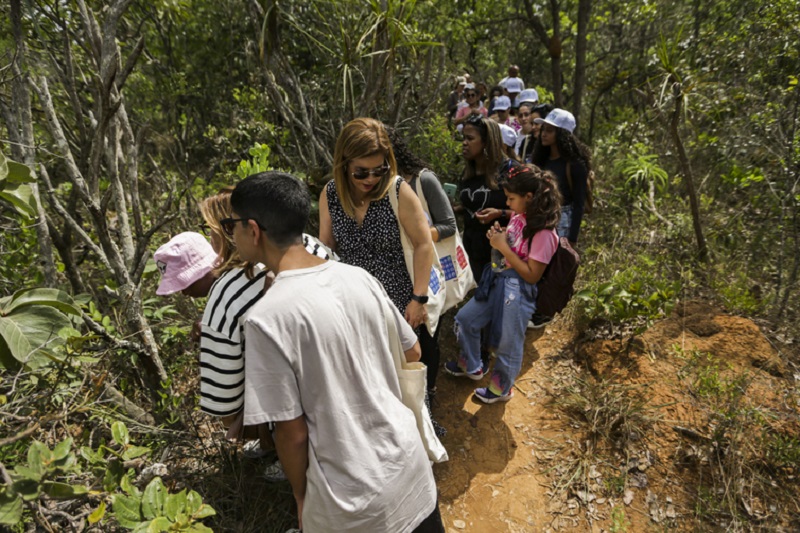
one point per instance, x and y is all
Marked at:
(526, 465)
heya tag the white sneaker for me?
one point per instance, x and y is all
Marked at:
(274, 473)
(252, 450)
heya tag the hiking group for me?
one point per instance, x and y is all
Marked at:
(304, 340)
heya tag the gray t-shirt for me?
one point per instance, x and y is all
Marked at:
(317, 345)
(441, 212)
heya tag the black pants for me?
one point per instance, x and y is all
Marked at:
(432, 524)
(429, 345)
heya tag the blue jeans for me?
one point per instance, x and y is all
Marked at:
(565, 222)
(512, 301)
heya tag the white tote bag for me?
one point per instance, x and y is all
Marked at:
(413, 384)
(436, 283)
(453, 259)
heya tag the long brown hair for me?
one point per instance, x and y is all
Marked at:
(215, 208)
(493, 148)
(361, 137)
(544, 210)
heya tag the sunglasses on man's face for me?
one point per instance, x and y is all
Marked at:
(470, 95)
(229, 224)
(363, 173)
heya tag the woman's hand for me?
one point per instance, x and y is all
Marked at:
(488, 214)
(415, 313)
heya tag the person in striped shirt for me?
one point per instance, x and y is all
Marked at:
(239, 285)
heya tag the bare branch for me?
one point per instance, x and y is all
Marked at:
(67, 217)
(54, 126)
(130, 63)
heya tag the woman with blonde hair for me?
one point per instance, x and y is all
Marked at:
(357, 220)
(239, 285)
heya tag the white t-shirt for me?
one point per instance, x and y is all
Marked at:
(317, 345)
(512, 85)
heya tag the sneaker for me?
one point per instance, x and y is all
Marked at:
(452, 368)
(252, 450)
(539, 321)
(487, 396)
(274, 473)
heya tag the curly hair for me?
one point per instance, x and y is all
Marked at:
(544, 209)
(494, 152)
(213, 209)
(408, 163)
(569, 147)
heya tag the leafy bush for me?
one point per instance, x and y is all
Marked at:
(638, 292)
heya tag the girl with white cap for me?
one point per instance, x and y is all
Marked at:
(559, 151)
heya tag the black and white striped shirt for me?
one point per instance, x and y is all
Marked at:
(222, 341)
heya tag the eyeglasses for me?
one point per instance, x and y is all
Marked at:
(363, 173)
(470, 95)
(204, 229)
(229, 224)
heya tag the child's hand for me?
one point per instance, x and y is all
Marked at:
(498, 239)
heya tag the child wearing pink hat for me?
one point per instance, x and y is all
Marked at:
(185, 263)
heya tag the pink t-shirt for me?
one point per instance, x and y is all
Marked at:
(466, 110)
(543, 245)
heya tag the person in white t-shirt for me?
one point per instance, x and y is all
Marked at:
(517, 85)
(318, 364)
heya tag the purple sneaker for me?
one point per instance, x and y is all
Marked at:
(452, 368)
(487, 396)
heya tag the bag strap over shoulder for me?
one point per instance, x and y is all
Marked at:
(394, 198)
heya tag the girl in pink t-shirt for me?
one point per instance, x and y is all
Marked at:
(506, 297)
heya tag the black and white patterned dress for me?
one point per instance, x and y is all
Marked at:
(374, 245)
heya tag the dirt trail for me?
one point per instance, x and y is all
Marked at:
(494, 480)
(510, 462)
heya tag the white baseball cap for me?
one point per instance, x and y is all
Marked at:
(502, 103)
(509, 135)
(528, 95)
(514, 85)
(560, 118)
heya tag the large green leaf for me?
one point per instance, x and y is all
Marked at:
(19, 195)
(13, 344)
(119, 432)
(10, 506)
(13, 172)
(40, 296)
(175, 504)
(153, 499)
(41, 326)
(159, 524)
(63, 491)
(126, 510)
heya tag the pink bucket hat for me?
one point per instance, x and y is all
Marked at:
(186, 258)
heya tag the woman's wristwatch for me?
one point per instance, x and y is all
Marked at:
(419, 299)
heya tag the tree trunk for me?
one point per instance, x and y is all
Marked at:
(553, 44)
(686, 170)
(21, 104)
(555, 55)
(584, 12)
